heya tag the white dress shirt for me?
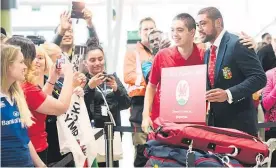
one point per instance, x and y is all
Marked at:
(217, 44)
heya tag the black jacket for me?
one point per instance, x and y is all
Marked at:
(117, 101)
(267, 57)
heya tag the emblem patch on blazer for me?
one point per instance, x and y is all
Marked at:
(182, 92)
(227, 74)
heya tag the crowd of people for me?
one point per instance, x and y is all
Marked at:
(35, 89)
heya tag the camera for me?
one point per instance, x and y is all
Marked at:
(77, 8)
(37, 40)
(59, 62)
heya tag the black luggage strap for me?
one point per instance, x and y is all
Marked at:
(119, 129)
(63, 162)
(266, 125)
(99, 134)
(127, 129)
(134, 129)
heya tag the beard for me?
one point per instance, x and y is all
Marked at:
(210, 37)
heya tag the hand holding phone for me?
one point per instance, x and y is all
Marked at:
(96, 81)
(111, 82)
(87, 15)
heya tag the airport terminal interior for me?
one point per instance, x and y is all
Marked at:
(116, 23)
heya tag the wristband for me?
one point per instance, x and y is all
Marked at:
(50, 83)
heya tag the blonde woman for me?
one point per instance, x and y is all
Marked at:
(16, 147)
(52, 50)
(42, 63)
(38, 99)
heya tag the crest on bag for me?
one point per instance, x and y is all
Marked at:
(227, 74)
(182, 92)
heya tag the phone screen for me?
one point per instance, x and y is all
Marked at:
(77, 8)
(108, 76)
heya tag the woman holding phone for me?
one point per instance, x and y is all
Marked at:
(99, 84)
(39, 99)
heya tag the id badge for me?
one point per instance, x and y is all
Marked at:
(104, 110)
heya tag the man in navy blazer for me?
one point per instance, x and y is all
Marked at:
(234, 74)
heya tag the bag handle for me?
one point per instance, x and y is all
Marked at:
(228, 150)
(108, 110)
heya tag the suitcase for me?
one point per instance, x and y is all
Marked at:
(237, 144)
(164, 155)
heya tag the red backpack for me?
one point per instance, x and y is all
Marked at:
(234, 143)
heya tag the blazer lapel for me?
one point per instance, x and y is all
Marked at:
(221, 54)
(206, 61)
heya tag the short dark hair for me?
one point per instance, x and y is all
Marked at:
(212, 13)
(3, 31)
(188, 19)
(154, 31)
(144, 20)
(265, 34)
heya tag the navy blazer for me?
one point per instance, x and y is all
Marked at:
(239, 70)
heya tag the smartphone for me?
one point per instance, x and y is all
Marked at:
(77, 8)
(59, 62)
(108, 76)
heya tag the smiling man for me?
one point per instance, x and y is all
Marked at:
(185, 53)
(234, 74)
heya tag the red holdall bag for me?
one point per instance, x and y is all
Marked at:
(237, 144)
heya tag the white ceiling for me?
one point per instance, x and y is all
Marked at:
(251, 15)
(127, 2)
